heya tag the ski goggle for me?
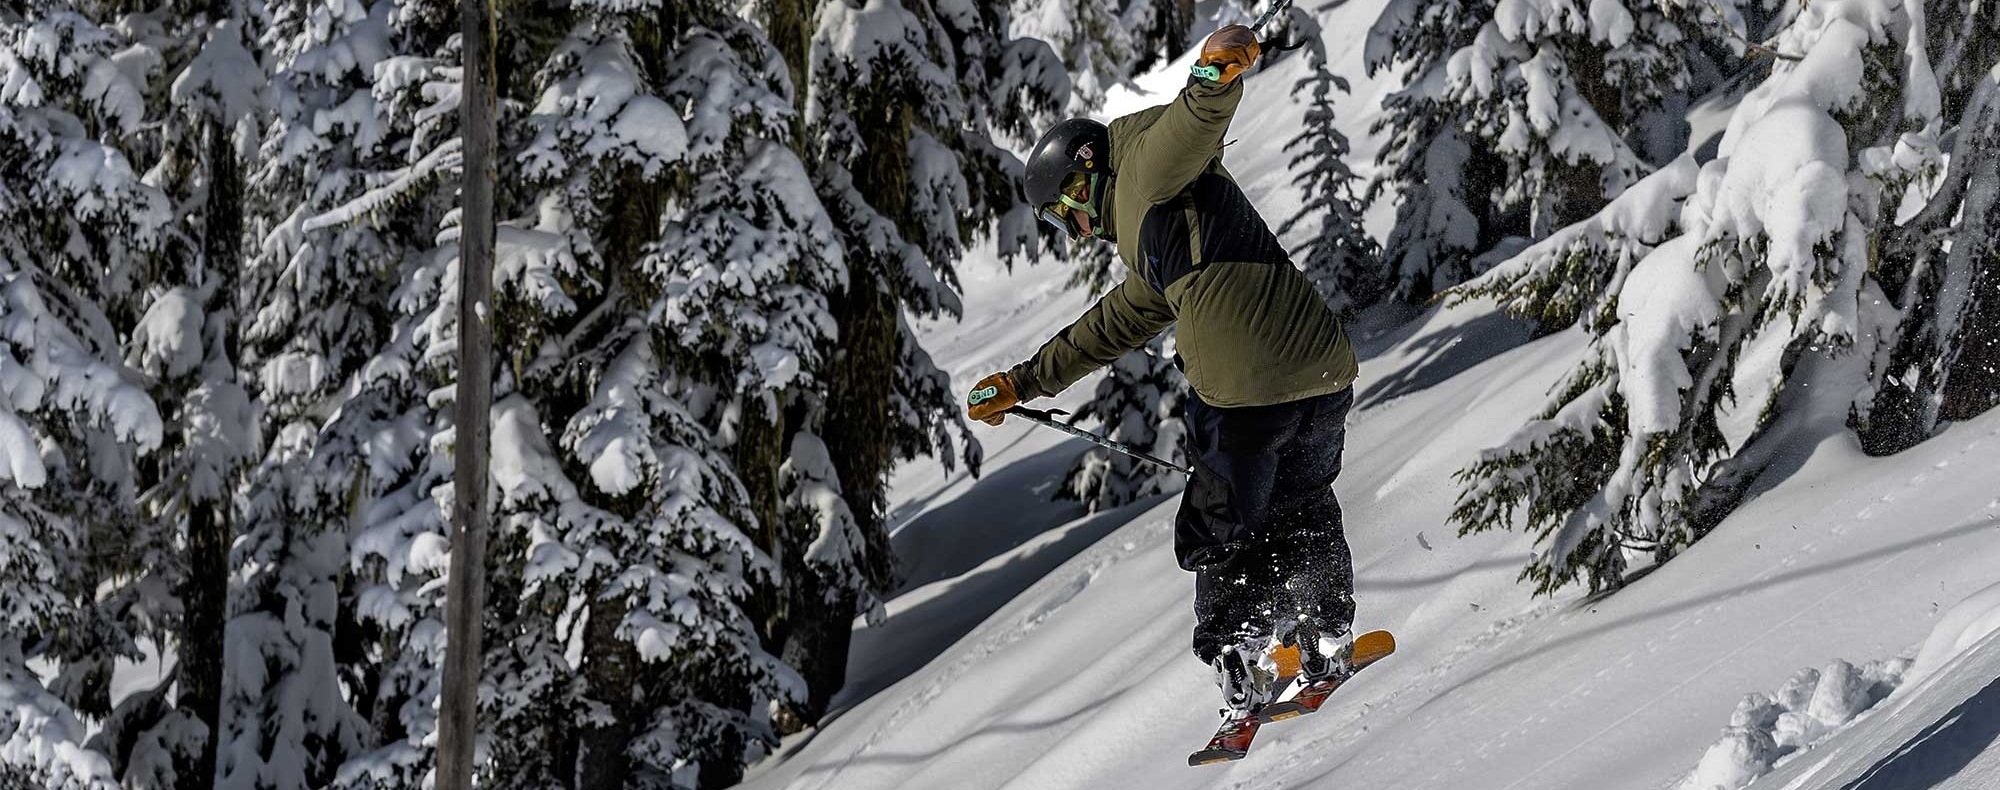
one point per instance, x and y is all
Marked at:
(1075, 196)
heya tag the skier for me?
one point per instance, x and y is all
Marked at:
(1270, 366)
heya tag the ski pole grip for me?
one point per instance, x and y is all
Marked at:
(982, 395)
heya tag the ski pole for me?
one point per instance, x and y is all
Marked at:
(1048, 419)
(1214, 73)
(1274, 10)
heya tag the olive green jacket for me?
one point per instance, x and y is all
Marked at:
(1253, 330)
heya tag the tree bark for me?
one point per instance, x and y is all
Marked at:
(610, 669)
(1576, 189)
(759, 451)
(821, 631)
(1947, 336)
(1974, 383)
(791, 32)
(466, 586)
(856, 430)
(205, 590)
(205, 596)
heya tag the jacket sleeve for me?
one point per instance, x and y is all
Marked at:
(1123, 319)
(1182, 141)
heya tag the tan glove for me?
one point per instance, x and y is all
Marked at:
(991, 398)
(1232, 50)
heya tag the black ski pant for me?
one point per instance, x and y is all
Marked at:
(1259, 525)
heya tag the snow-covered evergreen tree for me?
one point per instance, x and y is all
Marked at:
(1706, 322)
(901, 103)
(1942, 266)
(1137, 403)
(1094, 265)
(380, 177)
(1338, 255)
(1442, 184)
(162, 299)
(1577, 272)
(662, 274)
(1524, 116)
(756, 268)
(184, 338)
(72, 418)
(1096, 45)
(335, 158)
(1161, 31)
(1106, 44)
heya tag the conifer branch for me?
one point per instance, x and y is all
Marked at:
(1754, 47)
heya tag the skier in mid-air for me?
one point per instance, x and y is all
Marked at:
(1270, 365)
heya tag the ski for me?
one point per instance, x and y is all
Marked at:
(1232, 739)
(1367, 649)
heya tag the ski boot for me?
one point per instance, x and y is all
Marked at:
(1322, 656)
(1324, 664)
(1245, 686)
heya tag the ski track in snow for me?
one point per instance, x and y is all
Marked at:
(1048, 597)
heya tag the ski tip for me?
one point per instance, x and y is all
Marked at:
(1213, 756)
(1372, 647)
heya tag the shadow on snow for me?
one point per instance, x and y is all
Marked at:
(1941, 749)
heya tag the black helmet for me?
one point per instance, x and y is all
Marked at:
(1078, 145)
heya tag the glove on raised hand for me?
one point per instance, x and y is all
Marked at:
(1232, 50)
(991, 398)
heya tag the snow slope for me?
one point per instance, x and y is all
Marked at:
(1031, 650)
(1083, 679)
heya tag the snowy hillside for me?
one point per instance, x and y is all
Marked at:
(1084, 680)
(1032, 648)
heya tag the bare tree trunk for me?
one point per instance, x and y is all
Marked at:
(1183, 27)
(465, 597)
(790, 30)
(205, 595)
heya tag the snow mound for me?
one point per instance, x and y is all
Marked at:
(1814, 706)
(1965, 625)
(1813, 703)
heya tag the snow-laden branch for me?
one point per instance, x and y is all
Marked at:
(445, 158)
